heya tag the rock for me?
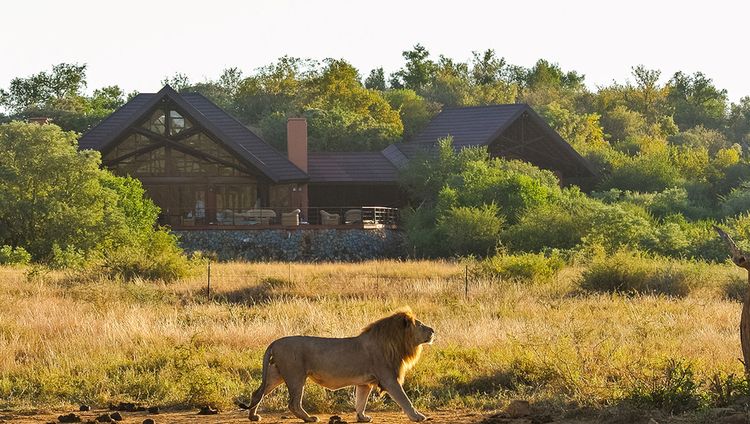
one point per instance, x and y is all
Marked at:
(116, 416)
(737, 418)
(207, 410)
(84, 408)
(336, 420)
(518, 409)
(105, 418)
(153, 410)
(149, 421)
(242, 405)
(70, 418)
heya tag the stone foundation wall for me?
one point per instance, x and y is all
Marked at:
(297, 245)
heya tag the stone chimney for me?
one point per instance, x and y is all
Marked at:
(296, 142)
(296, 147)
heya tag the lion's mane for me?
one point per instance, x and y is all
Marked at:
(395, 335)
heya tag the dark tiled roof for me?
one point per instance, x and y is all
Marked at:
(350, 167)
(245, 142)
(115, 123)
(235, 136)
(470, 126)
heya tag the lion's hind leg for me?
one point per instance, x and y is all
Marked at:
(296, 388)
(272, 380)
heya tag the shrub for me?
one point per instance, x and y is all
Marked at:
(471, 230)
(632, 272)
(522, 267)
(160, 259)
(14, 255)
(561, 225)
(675, 389)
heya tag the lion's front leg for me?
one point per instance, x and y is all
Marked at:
(361, 394)
(396, 392)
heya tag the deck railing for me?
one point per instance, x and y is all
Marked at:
(268, 217)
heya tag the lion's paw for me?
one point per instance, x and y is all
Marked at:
(418, 417)
(363, 418)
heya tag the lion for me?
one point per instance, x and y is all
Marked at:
(379, 357)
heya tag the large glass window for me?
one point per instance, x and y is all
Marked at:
(169, 161)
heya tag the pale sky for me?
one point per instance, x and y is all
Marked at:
(136, 43)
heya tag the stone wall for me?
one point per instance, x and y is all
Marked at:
(297, 245)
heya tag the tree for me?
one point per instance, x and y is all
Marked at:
(39, 90)
(415, 111)
(58, 203)
(376, 80)
(697, 101)
(419, 69)
(739, 121)
(487, 68)
(344, 115)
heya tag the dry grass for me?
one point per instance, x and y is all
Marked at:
(65, 340)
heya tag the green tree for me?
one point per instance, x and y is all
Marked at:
(418, 71)
(415, 111)
(57, 201)
(697, 101)
(376, 80)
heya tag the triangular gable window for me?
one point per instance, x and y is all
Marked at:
(157, 122)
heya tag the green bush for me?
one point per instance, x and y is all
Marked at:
(631, 272)
(160, 259)
(522, 267)
(14, 256)
(471, 230)
(675, 389)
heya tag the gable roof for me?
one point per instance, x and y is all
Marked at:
(231, 133)
(470, 126)
(350, 167)
(480, 126)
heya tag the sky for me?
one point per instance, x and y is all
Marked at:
(136, 44)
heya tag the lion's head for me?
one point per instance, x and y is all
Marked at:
(401, 336)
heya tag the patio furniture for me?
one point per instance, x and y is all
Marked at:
(255, 216)
(329, 218)
(353, 216)
(290, 219)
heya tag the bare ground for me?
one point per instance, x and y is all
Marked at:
(183, 417)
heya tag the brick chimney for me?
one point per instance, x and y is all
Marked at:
(296, 147)
(296, 142)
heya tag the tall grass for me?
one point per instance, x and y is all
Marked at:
(65, 340)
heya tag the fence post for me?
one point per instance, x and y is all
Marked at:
(208, 286)
(466, 282)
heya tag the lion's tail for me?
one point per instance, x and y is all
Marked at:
(258, 395)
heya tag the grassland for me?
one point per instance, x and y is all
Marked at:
(67, 339)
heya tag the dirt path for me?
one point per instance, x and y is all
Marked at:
(183, 417)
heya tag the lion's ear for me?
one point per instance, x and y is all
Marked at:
(406, 321)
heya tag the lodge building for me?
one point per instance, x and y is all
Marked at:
(206, 170)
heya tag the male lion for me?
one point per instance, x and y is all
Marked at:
(379, 356)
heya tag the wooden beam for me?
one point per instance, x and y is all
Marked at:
(136, 152)
(189, 150)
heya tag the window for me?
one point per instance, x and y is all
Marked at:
(177, 123)
(156, 123)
